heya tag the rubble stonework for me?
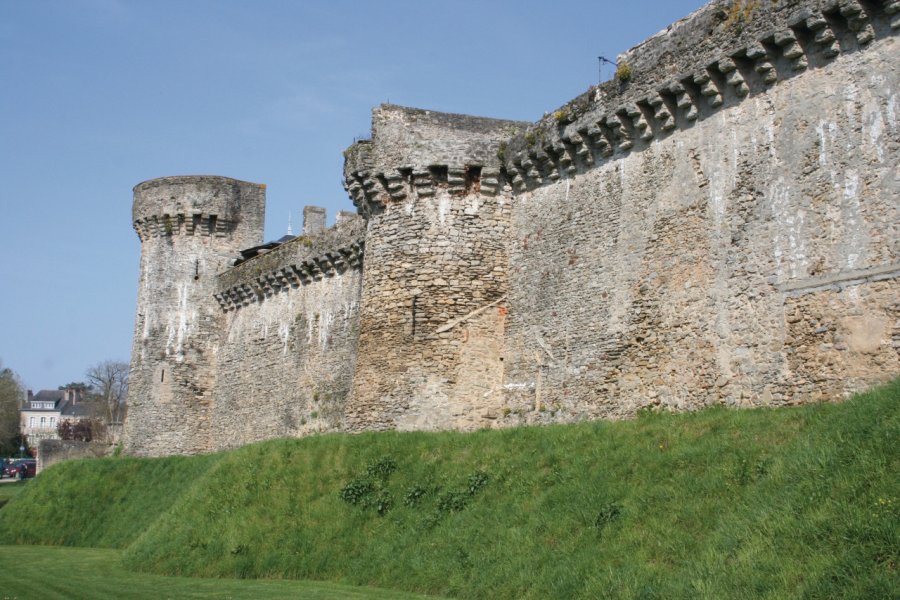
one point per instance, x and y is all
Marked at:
(718, 227)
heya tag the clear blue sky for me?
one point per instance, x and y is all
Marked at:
(99, 95)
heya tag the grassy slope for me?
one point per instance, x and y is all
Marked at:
(9, 490)
(739, 504)
(100, 503)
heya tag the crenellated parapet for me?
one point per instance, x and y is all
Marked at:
(301, 261)
(415, 153)
(714, 59)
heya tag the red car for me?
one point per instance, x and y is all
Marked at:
(20, 468)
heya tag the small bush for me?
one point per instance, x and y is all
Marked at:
(453, 501)
(562, 116)
(357, 491)
(477, 480)
(382, 502)
(623, 72)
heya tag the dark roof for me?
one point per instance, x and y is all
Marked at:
(49, 395)
(55, 397)
(261, 249)
(75, 409)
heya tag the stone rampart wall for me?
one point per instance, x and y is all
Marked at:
(51, 452)
(288, 349)
(718, 224)
(749, 256)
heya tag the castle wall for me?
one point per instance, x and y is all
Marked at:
(288, 348)
(717, 225)
(746, 256)
(190, 228)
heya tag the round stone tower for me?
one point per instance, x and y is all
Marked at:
(190, 228)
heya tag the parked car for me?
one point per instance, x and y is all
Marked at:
(20, 468)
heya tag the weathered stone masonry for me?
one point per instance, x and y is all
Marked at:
(190, 228)
(435, 252)
(721, 227)
(286, 361)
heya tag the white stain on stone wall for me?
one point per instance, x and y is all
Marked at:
(854, 240)
(891, 112)
(790, 241)
(443, 208)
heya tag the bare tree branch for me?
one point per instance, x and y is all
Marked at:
(109, 381)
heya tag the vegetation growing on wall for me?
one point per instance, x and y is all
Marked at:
(623, 72)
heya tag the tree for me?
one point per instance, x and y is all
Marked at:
(76, 385)
(81, 430)
(109, 382)
(10, 399)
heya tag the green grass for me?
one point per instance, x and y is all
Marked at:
(9, 490)
(42, 573)
(100, 503)
(782, 503)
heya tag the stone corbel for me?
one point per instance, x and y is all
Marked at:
(733, 77)
(762, 63)
(791, 49)
(490, 181)
(892, 9)
(824, 37)
(857, 21)
(661, 113)
(622, 135)
(684, 101)
(708, 89)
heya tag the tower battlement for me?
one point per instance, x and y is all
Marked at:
(414, 152)
(198, 205)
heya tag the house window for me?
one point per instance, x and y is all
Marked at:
(32, 421)
(52, 421)
(43, 422)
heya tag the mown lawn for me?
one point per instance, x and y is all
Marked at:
(50, 573)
